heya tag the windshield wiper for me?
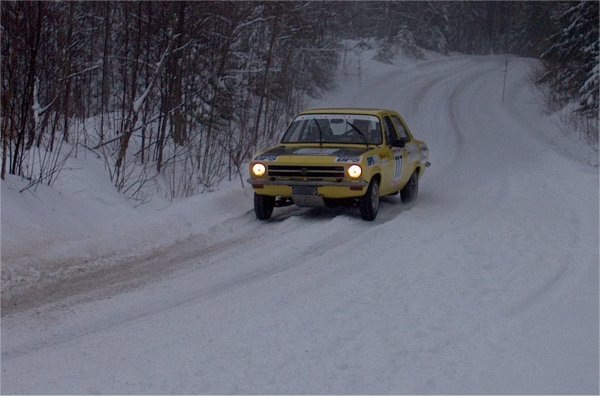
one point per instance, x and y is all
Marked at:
(359, 132)
(320, 133)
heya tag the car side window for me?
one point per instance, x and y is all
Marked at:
(400, 128)
(390, 131)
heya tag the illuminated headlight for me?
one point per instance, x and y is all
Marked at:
(258, 169)
(354, 171)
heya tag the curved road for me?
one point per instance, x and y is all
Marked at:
(488, 283)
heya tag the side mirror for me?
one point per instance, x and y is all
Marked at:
(399, 143)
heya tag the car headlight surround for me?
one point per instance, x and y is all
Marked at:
(354, 171)
(259, 169)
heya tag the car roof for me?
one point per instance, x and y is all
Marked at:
(347, 110)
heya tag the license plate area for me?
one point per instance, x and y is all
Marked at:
(304, 190)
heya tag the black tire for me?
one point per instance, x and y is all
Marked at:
(263, 206)
(369, 203)
(411, 189)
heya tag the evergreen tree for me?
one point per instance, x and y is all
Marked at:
(572, 59)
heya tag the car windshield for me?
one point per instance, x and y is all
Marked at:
(334, 128)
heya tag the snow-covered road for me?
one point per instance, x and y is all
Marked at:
(488, 283)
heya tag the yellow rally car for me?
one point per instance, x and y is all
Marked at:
(339, 157)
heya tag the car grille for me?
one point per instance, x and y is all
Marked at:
(313, 172)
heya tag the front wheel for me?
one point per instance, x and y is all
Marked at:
(263, 206)
(369, 203)
(410, 191)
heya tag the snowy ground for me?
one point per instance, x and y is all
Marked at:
(488, 283)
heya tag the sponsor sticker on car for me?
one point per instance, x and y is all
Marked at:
(372, 160)
(347, 159)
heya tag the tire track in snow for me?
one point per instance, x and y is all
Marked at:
(532, 136)
(459, 92)
(553, 280)
(193, 261)
(383, 90)
(422, 86)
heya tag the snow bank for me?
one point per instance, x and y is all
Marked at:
(82, 224)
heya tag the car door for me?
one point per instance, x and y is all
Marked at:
(392, 159)
(411, 152)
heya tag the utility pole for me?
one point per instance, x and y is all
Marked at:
(504, 84)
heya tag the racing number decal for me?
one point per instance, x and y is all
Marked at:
(398, 172)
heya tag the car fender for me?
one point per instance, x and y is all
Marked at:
(372, 165)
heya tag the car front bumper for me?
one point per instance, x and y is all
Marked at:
(325, 189)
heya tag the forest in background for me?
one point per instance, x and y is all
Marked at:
(183, 93)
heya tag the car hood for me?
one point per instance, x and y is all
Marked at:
(311, 151)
